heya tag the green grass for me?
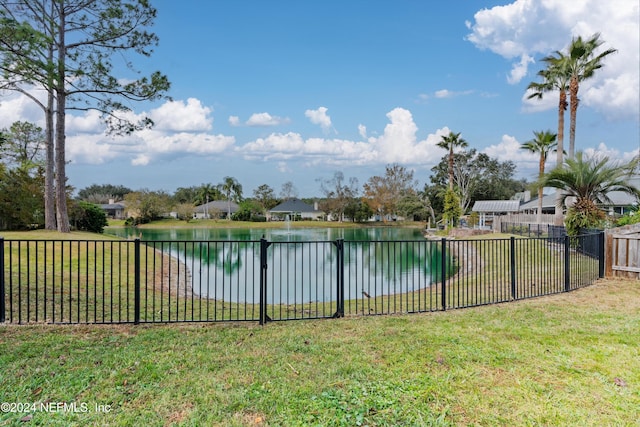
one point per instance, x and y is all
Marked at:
(564, 360)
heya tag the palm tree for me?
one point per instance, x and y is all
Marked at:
(591, 180)
(206, 193)
(449, 142)
(231, 188)
(555, 78)
(582, 65)
(544, 142)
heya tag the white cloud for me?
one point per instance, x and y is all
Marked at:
(527, 29)
(515, 29)
(519, 70)
(141, 160)
(17, 107)
(283, 167)
(508, 149)
(612, 153)
(398, 143)
(265, 119)
(180, 116)
(91, 149)
(87, 142)
(234, 120)
(89, 122)
(144, 146)
(444, 93)
(259, 120)
(319, 117)
(533, 105)
(362, 130)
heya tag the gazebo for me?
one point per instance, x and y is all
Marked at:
(488, 209)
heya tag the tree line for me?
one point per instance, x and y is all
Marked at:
(387, 196)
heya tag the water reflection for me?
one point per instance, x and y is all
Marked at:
(302, 264)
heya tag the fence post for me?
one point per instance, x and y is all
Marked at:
(136, 282)
(2, 306)
(340, 277)
(513, 268)
(601, 254)
(567, 267)
(263, 281)
(443, 266)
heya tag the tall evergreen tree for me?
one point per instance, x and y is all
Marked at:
(67, 48)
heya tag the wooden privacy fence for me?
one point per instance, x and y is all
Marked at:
(498, 220)
(622, 251)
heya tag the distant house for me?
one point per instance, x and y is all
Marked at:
(548, 205)
(488, 209)
(295, 208)
(215, 209)
(114, 210)
(622, 203)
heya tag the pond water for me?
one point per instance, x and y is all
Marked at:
(225, 263)
(283, 234)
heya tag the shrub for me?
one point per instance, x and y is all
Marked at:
(632, 217)
(583, 214)
(452, 210)
(88, 217)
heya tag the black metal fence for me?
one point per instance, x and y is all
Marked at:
(585, 245)
(134, 281)
(533, 230)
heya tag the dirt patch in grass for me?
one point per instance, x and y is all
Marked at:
(604, 293)
(250, 419)
(173, 277)
(180, 415)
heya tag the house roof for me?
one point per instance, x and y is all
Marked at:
(217, 205)
(114, 206)
(620, 198)
(496, 206)
(293, 205)
(548, 202)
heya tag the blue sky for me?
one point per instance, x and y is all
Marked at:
(269, 92)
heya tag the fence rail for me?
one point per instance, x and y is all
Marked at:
(134, 281)
(498, 220)
(532, 229)
(623, 247)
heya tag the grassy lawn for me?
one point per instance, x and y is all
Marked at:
(569, 359)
